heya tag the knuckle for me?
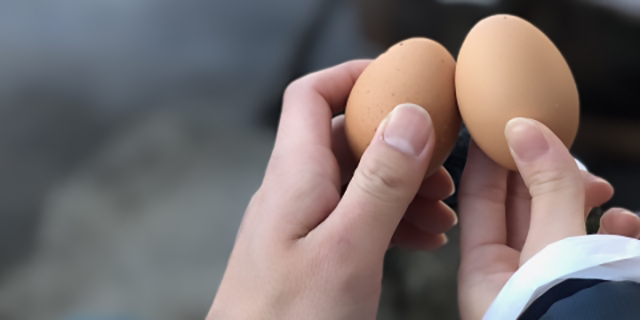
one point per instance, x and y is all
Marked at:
(378, 178)
(550, 182)
(493, 193)
(294, 86)
(301, 84)
(256, 199)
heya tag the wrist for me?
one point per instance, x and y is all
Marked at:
(243, 305)
(225, 311)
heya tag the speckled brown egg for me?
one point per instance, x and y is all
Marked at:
(508, 68)
(417, 70)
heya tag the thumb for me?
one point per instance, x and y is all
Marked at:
(387, 178)
(554, 181)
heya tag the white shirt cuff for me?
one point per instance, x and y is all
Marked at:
(605, 257)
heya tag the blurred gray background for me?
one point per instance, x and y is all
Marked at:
(133, 133)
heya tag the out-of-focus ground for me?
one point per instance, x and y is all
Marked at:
(133, 133)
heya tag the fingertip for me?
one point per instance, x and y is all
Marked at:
(619, 221)
(597, 190)
(409, 129)
(542, 159)
(450, 183)
(535, 147)
(430, 216)
(437, 186)
(591, 178)
(526, 140)
(554, 181)
(409, 238)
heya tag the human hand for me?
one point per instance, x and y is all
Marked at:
(304, 249)
(508, 217)
(621, 222)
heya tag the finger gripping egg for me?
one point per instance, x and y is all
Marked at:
(418, 71)
(508, 68)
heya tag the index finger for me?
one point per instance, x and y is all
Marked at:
(311, 101)
(481, 202)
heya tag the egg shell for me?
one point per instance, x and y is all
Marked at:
(508, 68)
(418, 71)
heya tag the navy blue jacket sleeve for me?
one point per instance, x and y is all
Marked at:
(587, 299)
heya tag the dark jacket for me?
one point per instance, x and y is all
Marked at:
(587, 299)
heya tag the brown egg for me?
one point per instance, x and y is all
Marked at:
(417, 70)
(508, 68)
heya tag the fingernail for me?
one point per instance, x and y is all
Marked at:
(445, 239)
(455, 219)
(525, 139)
(453, 191)
(408, 129)
(453, 185)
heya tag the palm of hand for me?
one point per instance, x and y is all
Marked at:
(496, 238)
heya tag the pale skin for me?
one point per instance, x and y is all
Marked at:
(308, 250)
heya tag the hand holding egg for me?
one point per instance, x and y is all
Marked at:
(417, 71)
(326, 244)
